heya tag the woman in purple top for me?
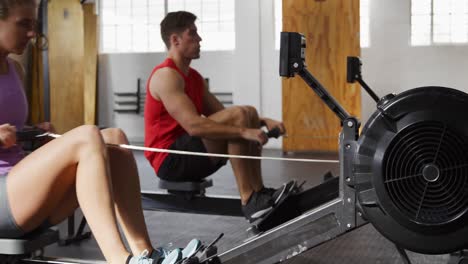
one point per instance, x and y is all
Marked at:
(77, 169)
(13, 111)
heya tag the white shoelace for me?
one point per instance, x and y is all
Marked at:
(143, 258)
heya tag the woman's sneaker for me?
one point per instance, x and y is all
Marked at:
(162, 256)
(191, 248)
(142, 258)
(159, 254)
(173, 257)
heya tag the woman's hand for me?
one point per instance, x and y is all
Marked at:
(46, 126)
(7, 135)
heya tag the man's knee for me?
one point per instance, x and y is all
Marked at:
(253, 115)
(246, 116)
(238, 115)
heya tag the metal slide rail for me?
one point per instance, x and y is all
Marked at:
(313, 227)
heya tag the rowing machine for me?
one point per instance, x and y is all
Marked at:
(407, 173)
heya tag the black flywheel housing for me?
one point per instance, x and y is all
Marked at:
(411, 169)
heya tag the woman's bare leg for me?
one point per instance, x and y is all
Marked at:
(40, 182)
(66, 208)
(126, 186)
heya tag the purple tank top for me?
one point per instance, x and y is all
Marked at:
(13, 110)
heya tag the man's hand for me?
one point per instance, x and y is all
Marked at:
(270, 124)
(256, 135)
(7, 135)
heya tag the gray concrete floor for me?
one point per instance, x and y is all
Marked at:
(364, 245)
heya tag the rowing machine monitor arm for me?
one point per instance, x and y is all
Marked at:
(292, 62)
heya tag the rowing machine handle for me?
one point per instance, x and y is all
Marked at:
(28, 134)
(274, 133)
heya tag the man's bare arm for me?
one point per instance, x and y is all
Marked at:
(168, 86)
(211, 104)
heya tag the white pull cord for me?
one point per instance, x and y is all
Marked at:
(182, 152)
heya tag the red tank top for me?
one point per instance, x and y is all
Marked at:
(161, 130)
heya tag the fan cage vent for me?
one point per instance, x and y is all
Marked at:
(429, 199)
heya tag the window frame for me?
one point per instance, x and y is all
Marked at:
(432, 35)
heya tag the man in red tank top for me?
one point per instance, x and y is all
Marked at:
(181, 114)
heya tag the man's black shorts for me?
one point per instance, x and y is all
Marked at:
(177, 167)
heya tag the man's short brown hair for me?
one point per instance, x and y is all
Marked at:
(175, 22)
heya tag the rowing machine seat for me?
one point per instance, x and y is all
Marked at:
(29, 243)
(188, 187)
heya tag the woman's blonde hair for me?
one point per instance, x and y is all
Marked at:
(7, 5)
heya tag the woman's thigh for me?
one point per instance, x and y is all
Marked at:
(8, 227)
(37, 184)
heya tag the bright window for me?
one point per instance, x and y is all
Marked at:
(215, 21)
(133, 25)
(364, 15)
(278, 22)
(439, 22)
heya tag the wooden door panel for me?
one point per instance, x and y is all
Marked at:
(331, 28)
(66, 53)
